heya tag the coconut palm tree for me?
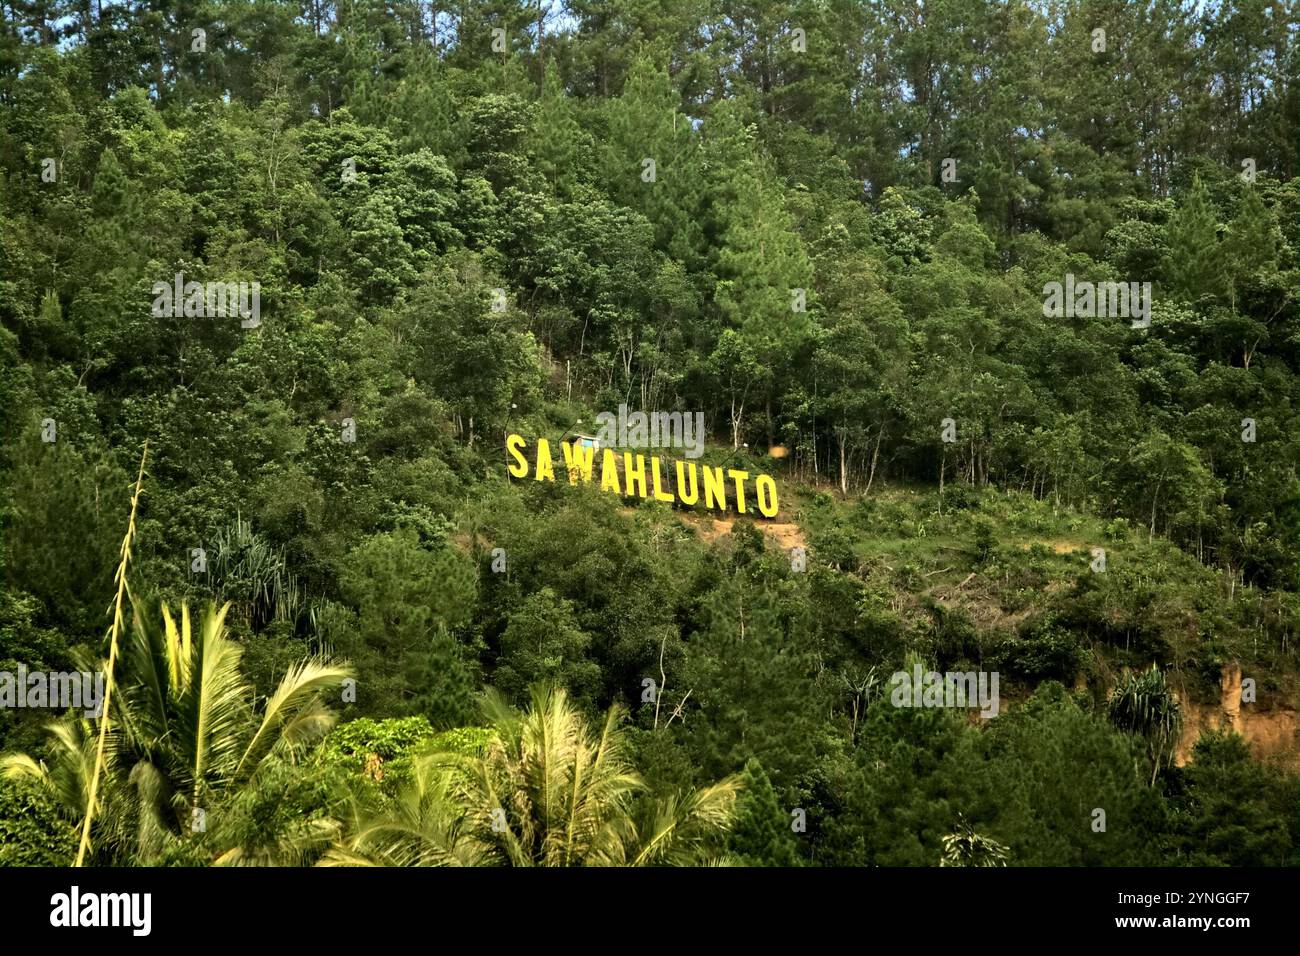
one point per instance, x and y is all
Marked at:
(67, 775)
(185, 735)
(549, 790)
(424, 826)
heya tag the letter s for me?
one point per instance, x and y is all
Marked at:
(513, 444)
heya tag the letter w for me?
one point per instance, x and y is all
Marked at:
(578, 459)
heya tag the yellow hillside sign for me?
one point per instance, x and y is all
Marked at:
(647, 480)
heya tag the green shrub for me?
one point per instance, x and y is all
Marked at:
(466, 741)
(1045, 652)
(378, 749)
(32, 830)
(960, 498)
(834, 547)
(985, 539)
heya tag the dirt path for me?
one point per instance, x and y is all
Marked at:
(783, 535)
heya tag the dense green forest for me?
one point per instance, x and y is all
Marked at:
(340, 632)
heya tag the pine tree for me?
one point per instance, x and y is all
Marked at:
(1194, 264)
(761, 834)
(764, 276)
(1250, 246)
(754, 687)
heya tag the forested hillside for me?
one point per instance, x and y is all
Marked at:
(341, 629)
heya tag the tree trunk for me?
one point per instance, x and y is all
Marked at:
(844, 474)
(943, 464)
(1155, 500)
(875, 456)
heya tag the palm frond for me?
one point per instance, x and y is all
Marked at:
(287, 708)
(547, 790)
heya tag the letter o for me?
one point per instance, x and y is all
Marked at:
(767, 501)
